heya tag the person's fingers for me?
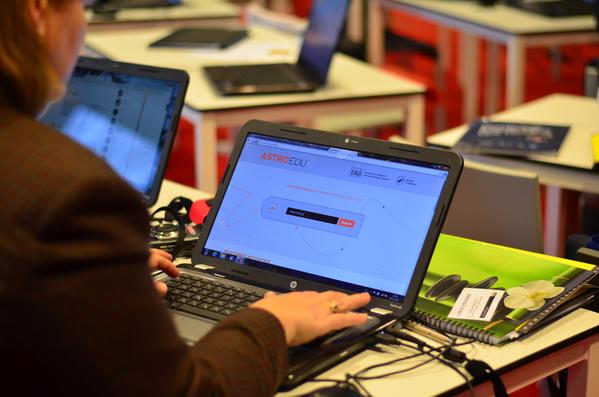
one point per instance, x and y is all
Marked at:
(352, 302)
(162, 253)
(329, 296)
(161, 287)
(269, 294)
(161, 263)
(344, 302)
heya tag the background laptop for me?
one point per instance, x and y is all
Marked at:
(112, 6)
(301, 209)
(127, 114)
(555, 8)
(310, 72)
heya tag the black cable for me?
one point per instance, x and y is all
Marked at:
(420, 346)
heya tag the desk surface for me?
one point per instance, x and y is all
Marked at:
(348, 78)
(580, 113)
(189, 10)
(500, 17)
(434, 379)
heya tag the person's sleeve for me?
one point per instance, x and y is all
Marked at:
(110, 330)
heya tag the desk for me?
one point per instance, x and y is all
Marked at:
(500, 24)
(353, 86)
(191, 12)
(171, 190)
(570, 169)
(572, 342)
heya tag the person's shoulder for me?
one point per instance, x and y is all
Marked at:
(45, 150)
(41, 166)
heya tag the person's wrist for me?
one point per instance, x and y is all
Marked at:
(286, 326)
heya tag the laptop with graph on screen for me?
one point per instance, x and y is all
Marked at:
(301, 209)
(126, 114)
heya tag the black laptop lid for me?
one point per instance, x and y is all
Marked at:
(309, 210)
(127, 114)
(326, 22)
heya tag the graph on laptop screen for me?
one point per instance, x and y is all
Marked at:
(321, 212)
(120, 117)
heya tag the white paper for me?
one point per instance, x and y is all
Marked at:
(476, 304)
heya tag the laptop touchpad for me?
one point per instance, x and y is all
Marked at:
(192, 329)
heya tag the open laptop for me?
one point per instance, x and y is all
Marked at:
(111, 6)
(301, 209)
(127, 114)
(309, 73)
(555, 8)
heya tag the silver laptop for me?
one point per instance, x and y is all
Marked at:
(301, 209)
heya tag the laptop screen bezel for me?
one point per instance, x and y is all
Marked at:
(282, 282)
(178, 76)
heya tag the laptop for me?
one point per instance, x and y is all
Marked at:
(126, 114)
(113, 6)
(301, 209)
(555, 8)
(307, 74)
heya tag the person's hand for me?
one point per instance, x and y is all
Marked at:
(162, 260)
(308, 315)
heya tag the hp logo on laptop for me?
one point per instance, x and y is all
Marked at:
(293, 284)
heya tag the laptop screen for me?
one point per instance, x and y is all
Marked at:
(322, 36)
(126, 119)
(346, 218)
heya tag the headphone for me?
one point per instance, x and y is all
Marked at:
(175, 219)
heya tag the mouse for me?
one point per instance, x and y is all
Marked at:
(338, 390)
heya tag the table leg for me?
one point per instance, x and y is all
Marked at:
(443, 64)
(582, 377)
(375, 40)
(205, 162)
(492, 81)
(469, 61)
(414, 123)
(355, 21)
(554, 222)
(516, 52)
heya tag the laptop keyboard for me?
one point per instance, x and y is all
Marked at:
(269, 74)
(264, 74)
(207, 298)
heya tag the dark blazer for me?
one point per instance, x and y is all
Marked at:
(79, 314)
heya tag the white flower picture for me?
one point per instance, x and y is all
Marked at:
(531, 296)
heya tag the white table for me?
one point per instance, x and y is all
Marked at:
(353, 86)
(572, 342)
(570, 169)
(500, 24)
(190, 13)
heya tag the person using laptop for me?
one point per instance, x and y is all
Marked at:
(80, 312)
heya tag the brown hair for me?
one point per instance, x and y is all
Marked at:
(27, 76)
